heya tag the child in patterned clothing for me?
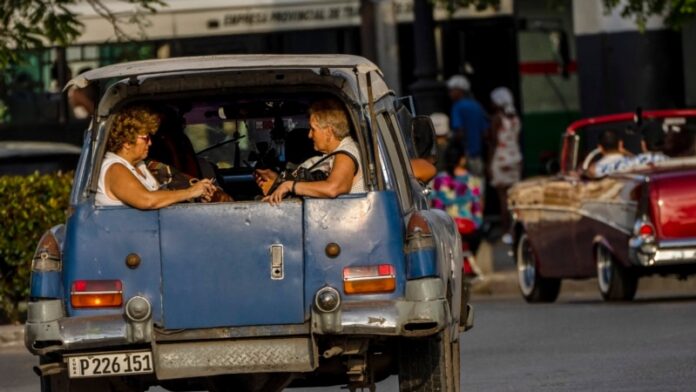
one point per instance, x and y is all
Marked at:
(460, 193)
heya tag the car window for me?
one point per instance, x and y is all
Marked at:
(399, 161)
(227, 138)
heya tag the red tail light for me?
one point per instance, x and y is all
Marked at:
(467, 267)
(96, 294)
(643, 228)
(370, 279)
(646, 229)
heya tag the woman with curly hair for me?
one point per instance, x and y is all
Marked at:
(124, 178)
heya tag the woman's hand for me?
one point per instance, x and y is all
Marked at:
(265, 178)
(203, 189)
(281, 191)
(264, 175)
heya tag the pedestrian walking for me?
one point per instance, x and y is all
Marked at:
(469, 122)
(505, 165)
(460, 194)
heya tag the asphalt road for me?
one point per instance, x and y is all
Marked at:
(576, 344)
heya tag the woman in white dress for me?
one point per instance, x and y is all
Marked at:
(506, 158)
(124, 178)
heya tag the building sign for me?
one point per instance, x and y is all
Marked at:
(245, 17)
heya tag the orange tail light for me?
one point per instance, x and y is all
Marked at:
(96, 294)
(373, 279)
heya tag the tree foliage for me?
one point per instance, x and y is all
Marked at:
(30, 24)
(29, 205)
(676, 13)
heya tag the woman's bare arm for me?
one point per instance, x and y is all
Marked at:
(339, 182)
(122, 185)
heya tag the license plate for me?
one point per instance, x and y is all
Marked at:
(110, 364)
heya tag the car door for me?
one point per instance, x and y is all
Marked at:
(232, 264)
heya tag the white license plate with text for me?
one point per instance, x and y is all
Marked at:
(110, 364)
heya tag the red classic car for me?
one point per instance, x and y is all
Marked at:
(636, 220)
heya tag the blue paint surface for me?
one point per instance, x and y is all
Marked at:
(97, 242)
(368, 228)
(209, 265)
(421, 264)
(216, 264)
(46, 285)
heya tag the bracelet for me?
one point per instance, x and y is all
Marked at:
(292, 190)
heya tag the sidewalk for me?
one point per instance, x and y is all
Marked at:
(11, 335)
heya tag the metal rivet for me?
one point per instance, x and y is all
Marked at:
(333, 250)
(132, 260)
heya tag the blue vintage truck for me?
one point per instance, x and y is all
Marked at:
(242, 295)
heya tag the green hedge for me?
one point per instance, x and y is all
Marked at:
(29, 205)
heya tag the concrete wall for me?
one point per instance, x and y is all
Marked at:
(621, 68)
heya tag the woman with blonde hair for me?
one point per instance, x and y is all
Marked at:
(330, 134)
(124, 178)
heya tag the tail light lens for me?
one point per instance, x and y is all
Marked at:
(96, 294)
(47, 255)
(371, 279)
(646, 229)
(643, 228)
(466, 267)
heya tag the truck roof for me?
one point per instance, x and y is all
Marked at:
(223, 62)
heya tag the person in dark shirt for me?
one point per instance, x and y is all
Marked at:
(469, 122)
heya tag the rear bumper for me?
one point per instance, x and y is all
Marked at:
(647, 252)
(205, 352)
(423, 311)
(47, 330)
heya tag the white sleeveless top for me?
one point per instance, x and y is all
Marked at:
(351, 147)
(148, 181)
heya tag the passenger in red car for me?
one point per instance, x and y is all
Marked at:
(612, 149)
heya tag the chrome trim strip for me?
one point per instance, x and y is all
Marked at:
(578, 211)
(680, 243)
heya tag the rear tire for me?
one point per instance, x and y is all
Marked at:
(533, 287)
(429, 364)
(615, 282)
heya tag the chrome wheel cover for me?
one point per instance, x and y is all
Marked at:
(604, 269)
(526, 268)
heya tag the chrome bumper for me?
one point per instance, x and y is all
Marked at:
(646, 252)
(48, 330)
(423, 311)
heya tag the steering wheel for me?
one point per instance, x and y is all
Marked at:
(591, 156)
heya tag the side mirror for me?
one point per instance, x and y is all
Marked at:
(424, 137)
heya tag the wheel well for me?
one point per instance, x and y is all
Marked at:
(600, 241)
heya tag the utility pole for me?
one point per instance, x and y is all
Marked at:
(379, 38)
(429, 94)
(63, 78)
